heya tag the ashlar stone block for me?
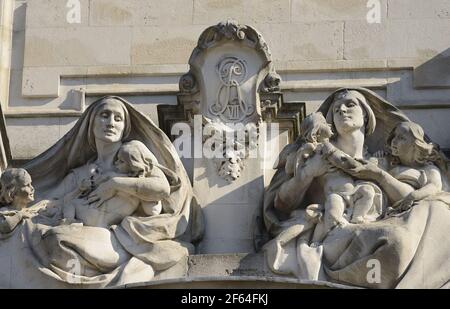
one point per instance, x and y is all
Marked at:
(245, 11)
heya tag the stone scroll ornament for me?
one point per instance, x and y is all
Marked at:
(231, 105)
(229, 91)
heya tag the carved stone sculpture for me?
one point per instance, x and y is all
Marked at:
(376, 192)
(114, 205)
(231, 105)
(16, 193)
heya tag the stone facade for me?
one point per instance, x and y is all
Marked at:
(57, 57)
(122, 47)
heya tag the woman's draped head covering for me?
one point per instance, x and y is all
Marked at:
(381, 116)
(370, 119)
(96, 109)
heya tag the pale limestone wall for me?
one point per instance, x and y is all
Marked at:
(6, 29)
(140, 48)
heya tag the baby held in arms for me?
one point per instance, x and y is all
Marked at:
(340, 190)
(134, 159)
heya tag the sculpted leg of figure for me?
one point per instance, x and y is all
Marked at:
(334, 215)
(363, 201)
(334, 211)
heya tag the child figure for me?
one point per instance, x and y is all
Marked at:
(415, 156)
(339, 188)
(16, 192)
(133, 160)
(314, 132)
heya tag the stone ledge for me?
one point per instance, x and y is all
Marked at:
(239, 270)
(238, 282)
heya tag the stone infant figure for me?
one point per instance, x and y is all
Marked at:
(16, 193)
(339, 188)
(133, 160)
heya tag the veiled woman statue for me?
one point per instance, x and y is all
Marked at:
(365, 203)
(115, 204)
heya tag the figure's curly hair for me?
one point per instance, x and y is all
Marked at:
(9, 184)
(138, 157)
(425, 152)
(313, 125)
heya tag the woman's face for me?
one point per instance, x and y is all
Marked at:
(402, 145)
(348, 115)
(109, 122)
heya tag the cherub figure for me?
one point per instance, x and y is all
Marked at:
(133, 160)
(341, 191)
(314, 132)
(416, 158)
(16, 193)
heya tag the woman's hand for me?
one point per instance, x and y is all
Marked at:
(104, 192)
(101, 178)
(366, 171)
(315, 166)
(27, 213)
(406, 203)
(50, 210)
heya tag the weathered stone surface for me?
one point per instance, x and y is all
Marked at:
(47, 79)
(305, 41)
(150, 44)
(401, 90)
(53, 13)
(395, 39)
(417, 9)
(417, 39)
(315, 10)
(245, 11)
(242, 264)
(20, 13)
(6, 30)
(18, 44)
(77, 46)
(434, 72)
(428, 118)
(31, 142)
(141, 13)
(366, 41)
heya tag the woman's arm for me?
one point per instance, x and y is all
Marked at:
(292, 192)
(433, 185)
(153, 188)
(394, 188)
